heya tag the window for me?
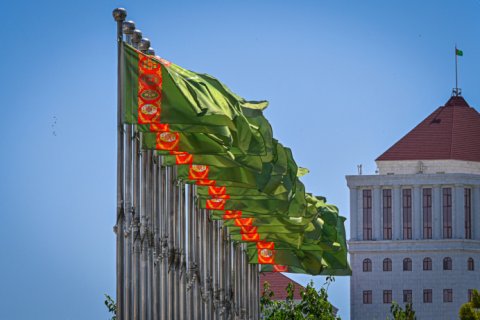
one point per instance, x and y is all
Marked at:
(470, 264)
(447, 213)
(367, 297)
(427, 213)
(367, 214)
(447, 295)
(427, 264)
(367, 265)
(407, 264)
(387, 214)
(427, 296)
(447, 263)
(468, 213)
(387, 264)
(470, 295)
(407, 296)
(387, 296)
(407, 213)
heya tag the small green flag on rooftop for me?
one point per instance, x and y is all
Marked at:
(458, 52)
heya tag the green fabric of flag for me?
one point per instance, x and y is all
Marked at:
(228, 160)
(188, 100)
(239, 174)
(458, 52)
(296, 207)
(274, 221)
(194, 143)
(247, 193)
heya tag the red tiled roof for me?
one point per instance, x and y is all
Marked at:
(278, 284)
(450, 132)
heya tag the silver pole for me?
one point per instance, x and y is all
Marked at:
(244, 284)
(128, 27)
(119, 15)
(165, 248)
(183, 267)
(155, 241)
(149, 233)
(136, 163)
(201, 260)
(204, 264)
(213, 263)
(143, 46)
(210, 261)
(171, 255)
(136, 38)
(193, 307)
(176, 242)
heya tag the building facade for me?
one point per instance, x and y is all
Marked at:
(415, 226)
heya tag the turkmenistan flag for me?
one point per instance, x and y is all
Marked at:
(256, 225)
(217, 191)
(250, 234)
(160, 92)
(458, 52)
(237, 177)
(193, 143)
(307, 260)
(193, 172)
(296, 207)
(229, 160)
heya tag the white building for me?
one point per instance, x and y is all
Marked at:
(415, 226)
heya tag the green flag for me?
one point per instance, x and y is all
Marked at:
(160, 92)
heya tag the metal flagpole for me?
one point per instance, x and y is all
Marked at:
(119, 15)
(228, 275)
(201, 260)
(128, 28)
(168, 238)
(204, 264)
(192, 287)
(164, 262)
(214, 263)
(238, 284)
(143, 46)
(149, 233)
(183, 268)
(136, 228)
(155, 240)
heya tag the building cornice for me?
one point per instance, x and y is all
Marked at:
(414, 246)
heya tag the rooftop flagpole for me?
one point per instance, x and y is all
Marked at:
(458, 52)
(456, 71)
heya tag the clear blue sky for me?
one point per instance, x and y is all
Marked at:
(345, 79)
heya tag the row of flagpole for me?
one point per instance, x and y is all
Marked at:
(173, 261)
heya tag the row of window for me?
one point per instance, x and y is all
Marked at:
(407, 264)
(408, 296)
(407, 213)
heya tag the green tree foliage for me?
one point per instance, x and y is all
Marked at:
(399, 314)
(111, 306)
(471, 310)
(314, 304)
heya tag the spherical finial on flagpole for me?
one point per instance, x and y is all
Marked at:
(119, 14)
(144, 44)
(136, 37)
(150, 51)
(128, 27)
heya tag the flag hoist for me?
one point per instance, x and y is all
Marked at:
(206, 196)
